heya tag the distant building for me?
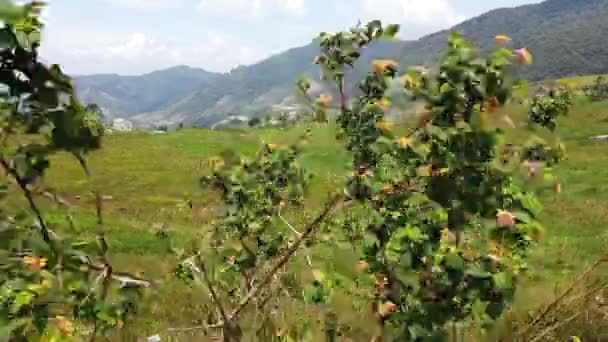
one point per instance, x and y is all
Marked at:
(122, 125)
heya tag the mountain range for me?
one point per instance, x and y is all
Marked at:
(566, 37)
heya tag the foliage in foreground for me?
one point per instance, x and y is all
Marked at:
(50, 287)
(441, 225)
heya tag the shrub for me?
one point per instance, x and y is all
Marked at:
(447, 229)
(545, 109)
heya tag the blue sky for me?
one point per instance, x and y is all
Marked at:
(137, 36)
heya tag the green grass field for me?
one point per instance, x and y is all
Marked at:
(147, 177)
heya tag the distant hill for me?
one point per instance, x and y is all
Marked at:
(129, 95)
(566, 37)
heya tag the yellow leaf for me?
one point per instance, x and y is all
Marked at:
(406, 80)
(424, 171)
(318, 275)
(384, 125)
(380, 65)
(384, 103)
(502, 39)
(404, 142)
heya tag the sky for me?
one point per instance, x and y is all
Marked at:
(131, 37)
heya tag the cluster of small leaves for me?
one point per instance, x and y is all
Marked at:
(48, 285)
(254, 191)
(251, 234)
(366, 115)
(545, 109)
(448, 228)
(599, 90)
(319, 107)
(343, 48)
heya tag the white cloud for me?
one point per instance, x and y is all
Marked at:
(138, 52)
(415, 15)
(251, 8)
(293, 6)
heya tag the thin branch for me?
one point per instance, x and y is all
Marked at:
(589, 293)
(308, 260)
(200, 327)
(46, 232)
(286, 257)
(555, 326)
(342, 96)
(103, 245)
(288, 224)
(92, 290)
(558, 300)
(124, 278)
(214, 296)
(62, 203)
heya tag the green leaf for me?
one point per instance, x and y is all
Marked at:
(7, 38)
(478, 273)
(11, 13)
(503, 281)
(6, 330)
(390, 31)
(454, 262)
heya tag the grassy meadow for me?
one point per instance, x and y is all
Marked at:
(146, 179)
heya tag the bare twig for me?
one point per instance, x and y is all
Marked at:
(342, 96)
(124, 278)
(62, 203)
(286, 257)
(214, 296)
(103, 245)
(559, 299)
(46, 232)
(200, 327)
(289, 224)
(555, 326)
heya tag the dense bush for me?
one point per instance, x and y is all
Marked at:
(599, 90)
(449, 229)
(545, 109)
(442, 227)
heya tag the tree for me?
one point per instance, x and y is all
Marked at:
(96, 110)
(545, 109)
(50, 286)
(446, 229)
(254, 122)
(443, 227)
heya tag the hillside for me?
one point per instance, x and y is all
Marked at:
(200, 98)
(567, 38)
(127, 95)
(145, 191)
